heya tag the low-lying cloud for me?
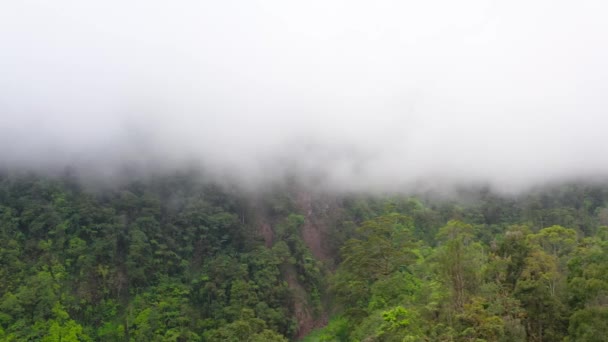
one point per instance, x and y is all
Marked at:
(379, 95)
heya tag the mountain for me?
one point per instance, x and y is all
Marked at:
(181, 258)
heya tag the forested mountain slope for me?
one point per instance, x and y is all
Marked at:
(175, 258)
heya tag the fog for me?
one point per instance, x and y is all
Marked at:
(348, 95)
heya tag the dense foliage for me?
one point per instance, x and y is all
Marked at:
(177, 259)
(166, 261)
(533, 268)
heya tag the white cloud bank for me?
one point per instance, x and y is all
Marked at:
(365, 95)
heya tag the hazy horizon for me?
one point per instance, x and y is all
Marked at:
(361, 96)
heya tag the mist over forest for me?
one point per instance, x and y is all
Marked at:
(366, 96)
(319, 171)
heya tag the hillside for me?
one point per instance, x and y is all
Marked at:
(175, 258)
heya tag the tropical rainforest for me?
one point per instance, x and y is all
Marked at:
(179, 258)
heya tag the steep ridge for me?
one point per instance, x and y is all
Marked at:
(314, 230)
(318, 212)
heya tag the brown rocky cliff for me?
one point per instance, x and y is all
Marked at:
(317, 211)
(314, 230)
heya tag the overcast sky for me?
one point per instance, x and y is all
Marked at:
(362, 94)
